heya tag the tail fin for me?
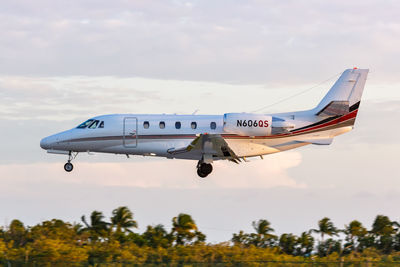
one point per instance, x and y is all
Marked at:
(345, 94)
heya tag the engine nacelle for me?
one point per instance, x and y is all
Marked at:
(247, 124)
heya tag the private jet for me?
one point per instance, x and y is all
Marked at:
(207, 138)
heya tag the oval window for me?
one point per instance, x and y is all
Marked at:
(146, 125)
(178, 125)
(193, 125)
(162, 125)
(213, 125)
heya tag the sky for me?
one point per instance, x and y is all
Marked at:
(62, 62)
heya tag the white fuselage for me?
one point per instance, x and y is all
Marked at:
(232, 136)
(127, 134)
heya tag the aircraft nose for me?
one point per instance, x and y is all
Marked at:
(48, 142)
(45, 143)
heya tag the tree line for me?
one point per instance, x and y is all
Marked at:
(99, 240)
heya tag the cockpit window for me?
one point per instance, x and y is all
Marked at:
(101, 124)
(84, 124)
(94, 124)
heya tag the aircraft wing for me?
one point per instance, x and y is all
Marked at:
(209, 145)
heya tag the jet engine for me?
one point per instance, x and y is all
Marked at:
(247, 124)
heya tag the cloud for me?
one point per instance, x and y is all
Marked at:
(247, 42)
(63, 98)
(80, 97)
(156, 173)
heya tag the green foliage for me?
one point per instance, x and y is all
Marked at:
(99, 242)
(157, 236)
(288, 242)
(184, 230)
(305, 244)
(97, 228)
(262, 237)
(383, 229)
(122, 219)
(326, 227)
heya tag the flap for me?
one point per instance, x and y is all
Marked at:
(208, 144)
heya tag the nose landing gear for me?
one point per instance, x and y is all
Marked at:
(68, 167)
(204, 169)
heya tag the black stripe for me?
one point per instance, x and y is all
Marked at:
(351, 109)
(355, 106)
(316, 124)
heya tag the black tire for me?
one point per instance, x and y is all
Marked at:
(68, 167)
(199, 173)
(206, 168)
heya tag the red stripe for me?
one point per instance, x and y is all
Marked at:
(346, 117)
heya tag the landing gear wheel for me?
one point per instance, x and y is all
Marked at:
(202, 175)
(68, 167)
(204, 169)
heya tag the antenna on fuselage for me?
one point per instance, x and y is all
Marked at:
(194, 113)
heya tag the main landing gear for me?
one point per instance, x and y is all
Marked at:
(204, 169)
(68, 167)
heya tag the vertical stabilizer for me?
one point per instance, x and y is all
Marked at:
(347, 89)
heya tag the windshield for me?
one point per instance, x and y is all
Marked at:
(84, 124)
(93, 125)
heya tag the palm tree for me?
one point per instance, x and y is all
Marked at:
(156, 236)
(241, 239)
(263, 236)
(305, 244)
(262, 227)
(383, 226)
(355, 231)
(17, 233)
(98, 227)
(326, 227)
(184, 229)
(287, 243)
(122, 219)
(383, 229)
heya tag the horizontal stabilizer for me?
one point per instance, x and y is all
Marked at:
(335, 108)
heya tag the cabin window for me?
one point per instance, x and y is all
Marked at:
(178, 125)
(101, 124)
(85, 124)
(162, 125)
(146, 125)
(213, 125)
(193, 125)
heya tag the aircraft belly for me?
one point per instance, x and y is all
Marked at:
(153, 147)
(252, 147)
(243, 147)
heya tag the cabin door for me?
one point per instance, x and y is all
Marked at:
(129, 136)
